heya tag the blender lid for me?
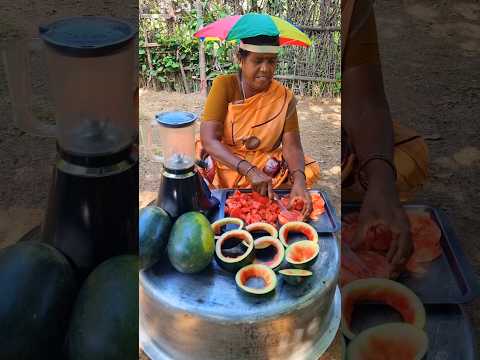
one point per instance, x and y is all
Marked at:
(87, 35)
(176, 119)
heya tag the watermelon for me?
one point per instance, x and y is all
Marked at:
(389, 292)
(38, 290)
(251, 208)
(153, 230)
(104, 324)
(302, 254)
(372, 264)
(400, 341)
(191, 244)
(286, 216)
(426, 236)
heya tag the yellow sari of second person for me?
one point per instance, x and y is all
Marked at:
(261, 116)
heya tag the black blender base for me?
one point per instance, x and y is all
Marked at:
(180, 195)
(90, 219)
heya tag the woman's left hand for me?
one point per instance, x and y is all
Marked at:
(299, 191)
(381, 206)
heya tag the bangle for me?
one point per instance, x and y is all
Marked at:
(293, 173)
(249, 169)
(362, 177)
(238, 165)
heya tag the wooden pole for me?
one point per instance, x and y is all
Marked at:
(150, 79)
(203, 71)
(182, 71)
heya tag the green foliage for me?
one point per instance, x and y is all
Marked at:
(176, 48)
(175, 44)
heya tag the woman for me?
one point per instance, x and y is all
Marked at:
(250, 128)
(382, 162)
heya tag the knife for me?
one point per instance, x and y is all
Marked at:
(278, 201)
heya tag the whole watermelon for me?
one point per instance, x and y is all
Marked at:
(37, 292)
(154, 226)
(104, 324)
(191, 244)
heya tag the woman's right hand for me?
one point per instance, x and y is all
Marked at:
(261, 183)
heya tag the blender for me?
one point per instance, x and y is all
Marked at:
(92, 211)
(181, 188)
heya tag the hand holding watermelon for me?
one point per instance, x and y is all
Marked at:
(300, 200)
(382, 209)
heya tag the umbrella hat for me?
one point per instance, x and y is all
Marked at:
(253, 24)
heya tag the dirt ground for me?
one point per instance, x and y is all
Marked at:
(430, 51)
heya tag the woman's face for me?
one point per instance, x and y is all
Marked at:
(258, 70)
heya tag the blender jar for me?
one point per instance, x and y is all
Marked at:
(92, 92)
(93, 116)
(176, 131)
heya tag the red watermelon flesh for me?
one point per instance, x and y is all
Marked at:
(353, 263)
(286, 216)
(362, 265)
(378, 237)
(425, 237)
(318, 204)
(251, 208)
(415, 267)
(377, 264)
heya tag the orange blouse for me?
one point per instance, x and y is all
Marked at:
(225, 90)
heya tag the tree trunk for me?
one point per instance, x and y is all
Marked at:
(203, 71)
(150, 79)
(182, 71)
(239, 7)
(254, 6)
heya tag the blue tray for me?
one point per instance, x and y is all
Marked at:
(450, 278)
(327, 223)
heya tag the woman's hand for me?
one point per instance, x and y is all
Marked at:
(261, 183)
(382, 206)
(299, 191)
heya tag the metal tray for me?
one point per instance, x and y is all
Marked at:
(328, 222)
(217, 287)
(450, 333)
(450, 278)
(210, 303)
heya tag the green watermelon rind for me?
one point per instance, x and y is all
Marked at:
(295, 276)
(104, 323)
(307, 264)
(233, 265)
(38, 287)
(153, 232)
(191, 244)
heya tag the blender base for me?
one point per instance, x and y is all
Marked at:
(179, 194)
(93, 216)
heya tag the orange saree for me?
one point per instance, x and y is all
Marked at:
(261, 116)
